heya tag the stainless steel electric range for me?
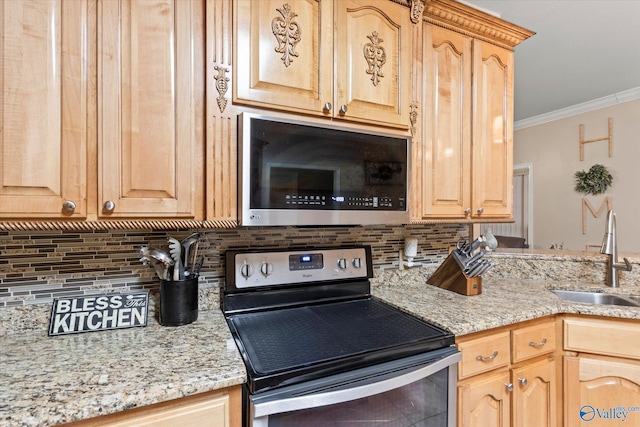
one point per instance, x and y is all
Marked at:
(320, 350)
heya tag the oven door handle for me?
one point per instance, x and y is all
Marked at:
(377, 382)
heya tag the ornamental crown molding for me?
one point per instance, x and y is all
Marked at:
(462, 18)
(161, 224)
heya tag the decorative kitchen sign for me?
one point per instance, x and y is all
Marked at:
(98, 313)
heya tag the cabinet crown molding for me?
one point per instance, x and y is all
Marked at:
(160, 224)
(459, 17)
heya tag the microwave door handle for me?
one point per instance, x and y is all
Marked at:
(363, 387)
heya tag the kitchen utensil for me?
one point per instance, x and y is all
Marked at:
(198, 266)
(159, 259)
(175, 249)
(476, 244)
(474, 269)
(186, 245)
(475, 257)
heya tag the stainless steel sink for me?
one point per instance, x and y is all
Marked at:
(635, 298)
(597, 298)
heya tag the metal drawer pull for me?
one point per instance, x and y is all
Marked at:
(509, 386)
(523, 381)
(486, 358)
(538, 344)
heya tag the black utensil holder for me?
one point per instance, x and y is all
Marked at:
(178, 302)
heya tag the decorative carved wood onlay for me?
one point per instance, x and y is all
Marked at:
(375, 56)
(586, 205)
(222, 86)
(608, 138)
(466, 20)
(287, 33)
(116, 225)
(413, 117)
(417, 7)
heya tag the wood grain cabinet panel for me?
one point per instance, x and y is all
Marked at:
(535, 394)
(446, 141)
(467, 144)
(492, 135)
(44, 130)
(504, 383)
(601, 372)
(221, 408)
(150, 90)
(485, 401)
(484, 354)
(533, 341)
(341, 59)
(600, 390)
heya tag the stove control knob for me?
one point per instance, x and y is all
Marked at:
(342, 264)
(357, 262)
(266, 268)
(246, 270)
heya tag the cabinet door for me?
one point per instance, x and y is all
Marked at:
(283, 54)
(149, 107)
(446, 163)
(209, 409)
(484, 400)
(600, 390)
(534, 394)
(44, 64)
(373, 57)
(492, 138)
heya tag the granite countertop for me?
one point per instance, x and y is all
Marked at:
(502, 302)
(51, 380)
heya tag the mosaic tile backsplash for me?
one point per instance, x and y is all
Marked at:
(37, 266)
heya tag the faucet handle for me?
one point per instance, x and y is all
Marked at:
(628, 264)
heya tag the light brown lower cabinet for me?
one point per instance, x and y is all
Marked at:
(220, 408)
(509, 377)
(601, 372)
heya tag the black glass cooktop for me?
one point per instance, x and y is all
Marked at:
(286, 346)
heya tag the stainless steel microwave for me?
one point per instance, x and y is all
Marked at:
(292, 172)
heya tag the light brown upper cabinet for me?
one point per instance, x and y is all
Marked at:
(102, 109)
(289, 56)
(468, 137)
(150, 108)
(45, 108)
(464, 152)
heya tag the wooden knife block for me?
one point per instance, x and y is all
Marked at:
(449, 276)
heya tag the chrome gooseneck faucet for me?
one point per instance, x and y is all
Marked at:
(610, 247)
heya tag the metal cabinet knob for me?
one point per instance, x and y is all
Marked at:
(109, 206)
(523, 381)
(343, 109)
(480, 210)
(68, 206)
(467, 211)
(509, 386)
(327, 107)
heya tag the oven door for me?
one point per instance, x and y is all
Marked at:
(417, 390)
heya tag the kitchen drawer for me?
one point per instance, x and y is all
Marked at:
(532, 341)
(609, 337)
(483, 354)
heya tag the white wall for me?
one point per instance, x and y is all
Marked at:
(553, 148)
